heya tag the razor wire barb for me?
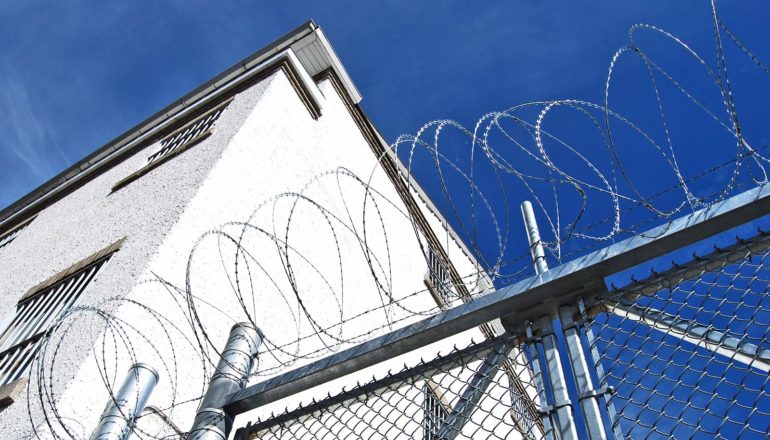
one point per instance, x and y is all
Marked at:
(586, 196)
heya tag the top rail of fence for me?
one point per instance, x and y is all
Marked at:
(518, 302)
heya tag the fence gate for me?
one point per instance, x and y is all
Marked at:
(684, 353)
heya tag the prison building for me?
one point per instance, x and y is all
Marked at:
(101, 265)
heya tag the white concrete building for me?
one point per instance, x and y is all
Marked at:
(266, 195)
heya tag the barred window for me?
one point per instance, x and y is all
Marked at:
(438, 274)
(8, 237)
(39, 309)
(434, 413)
(185, 136)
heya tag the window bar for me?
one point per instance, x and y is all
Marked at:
(21, 340)
(186, 134)
(434, 414)
(11, 235)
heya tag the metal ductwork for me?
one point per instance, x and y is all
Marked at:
(117, 421)
(235, 363)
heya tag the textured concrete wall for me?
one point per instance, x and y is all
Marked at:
(88, 220)
(265, 144)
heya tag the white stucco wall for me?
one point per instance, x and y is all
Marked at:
(264, 144)
(88, 220)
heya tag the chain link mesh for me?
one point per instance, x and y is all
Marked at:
(476, 392)
(682, 354)
(687, 351)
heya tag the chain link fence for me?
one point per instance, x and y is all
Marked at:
(476, 392)
(687, 352)
(684, 353)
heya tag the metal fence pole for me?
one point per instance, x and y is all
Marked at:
(539, 376)
(588, 394)
(117, 420)
(235, 363)
(551, 365)
(608, 410)
(533, 236)
(562, 405)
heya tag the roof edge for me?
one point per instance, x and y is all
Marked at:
(16, 211)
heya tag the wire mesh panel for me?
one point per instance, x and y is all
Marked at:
(688, 350)
(465, 394)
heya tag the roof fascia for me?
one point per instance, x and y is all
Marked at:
(202, 95)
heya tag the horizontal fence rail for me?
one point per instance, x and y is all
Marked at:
(520, 301)
(577, 360)
(464, 394)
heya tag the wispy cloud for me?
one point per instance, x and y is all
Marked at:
(30, 141)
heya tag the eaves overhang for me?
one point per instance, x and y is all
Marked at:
(305, 46)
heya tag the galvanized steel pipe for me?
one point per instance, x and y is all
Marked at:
(533, 236)
(235, 363)
(117, 421)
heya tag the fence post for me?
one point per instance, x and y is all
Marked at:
(539, 375)
(580, 357)
(550, 367)
(588, 394)
(533, 237)
(235, 363)
(592, 352)
(117, 420)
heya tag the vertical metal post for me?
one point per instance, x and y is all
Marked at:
(564, 423)
(235, 364)
(117, 420)
(608, 411)
(588, 395)
(539, 377)
(587, 392)
(533, 236)
(562, 406)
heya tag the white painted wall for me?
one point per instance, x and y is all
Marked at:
(86, 221)
(264, 144)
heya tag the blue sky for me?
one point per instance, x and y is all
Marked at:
(77, 74)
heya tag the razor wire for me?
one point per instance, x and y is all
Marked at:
(585, 190)
(483, 172)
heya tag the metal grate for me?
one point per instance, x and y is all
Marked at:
(465, 394)
(188, 134)
(20, 341)
(687, 352)
(438, 274)
(6, 239)
(435, 412)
